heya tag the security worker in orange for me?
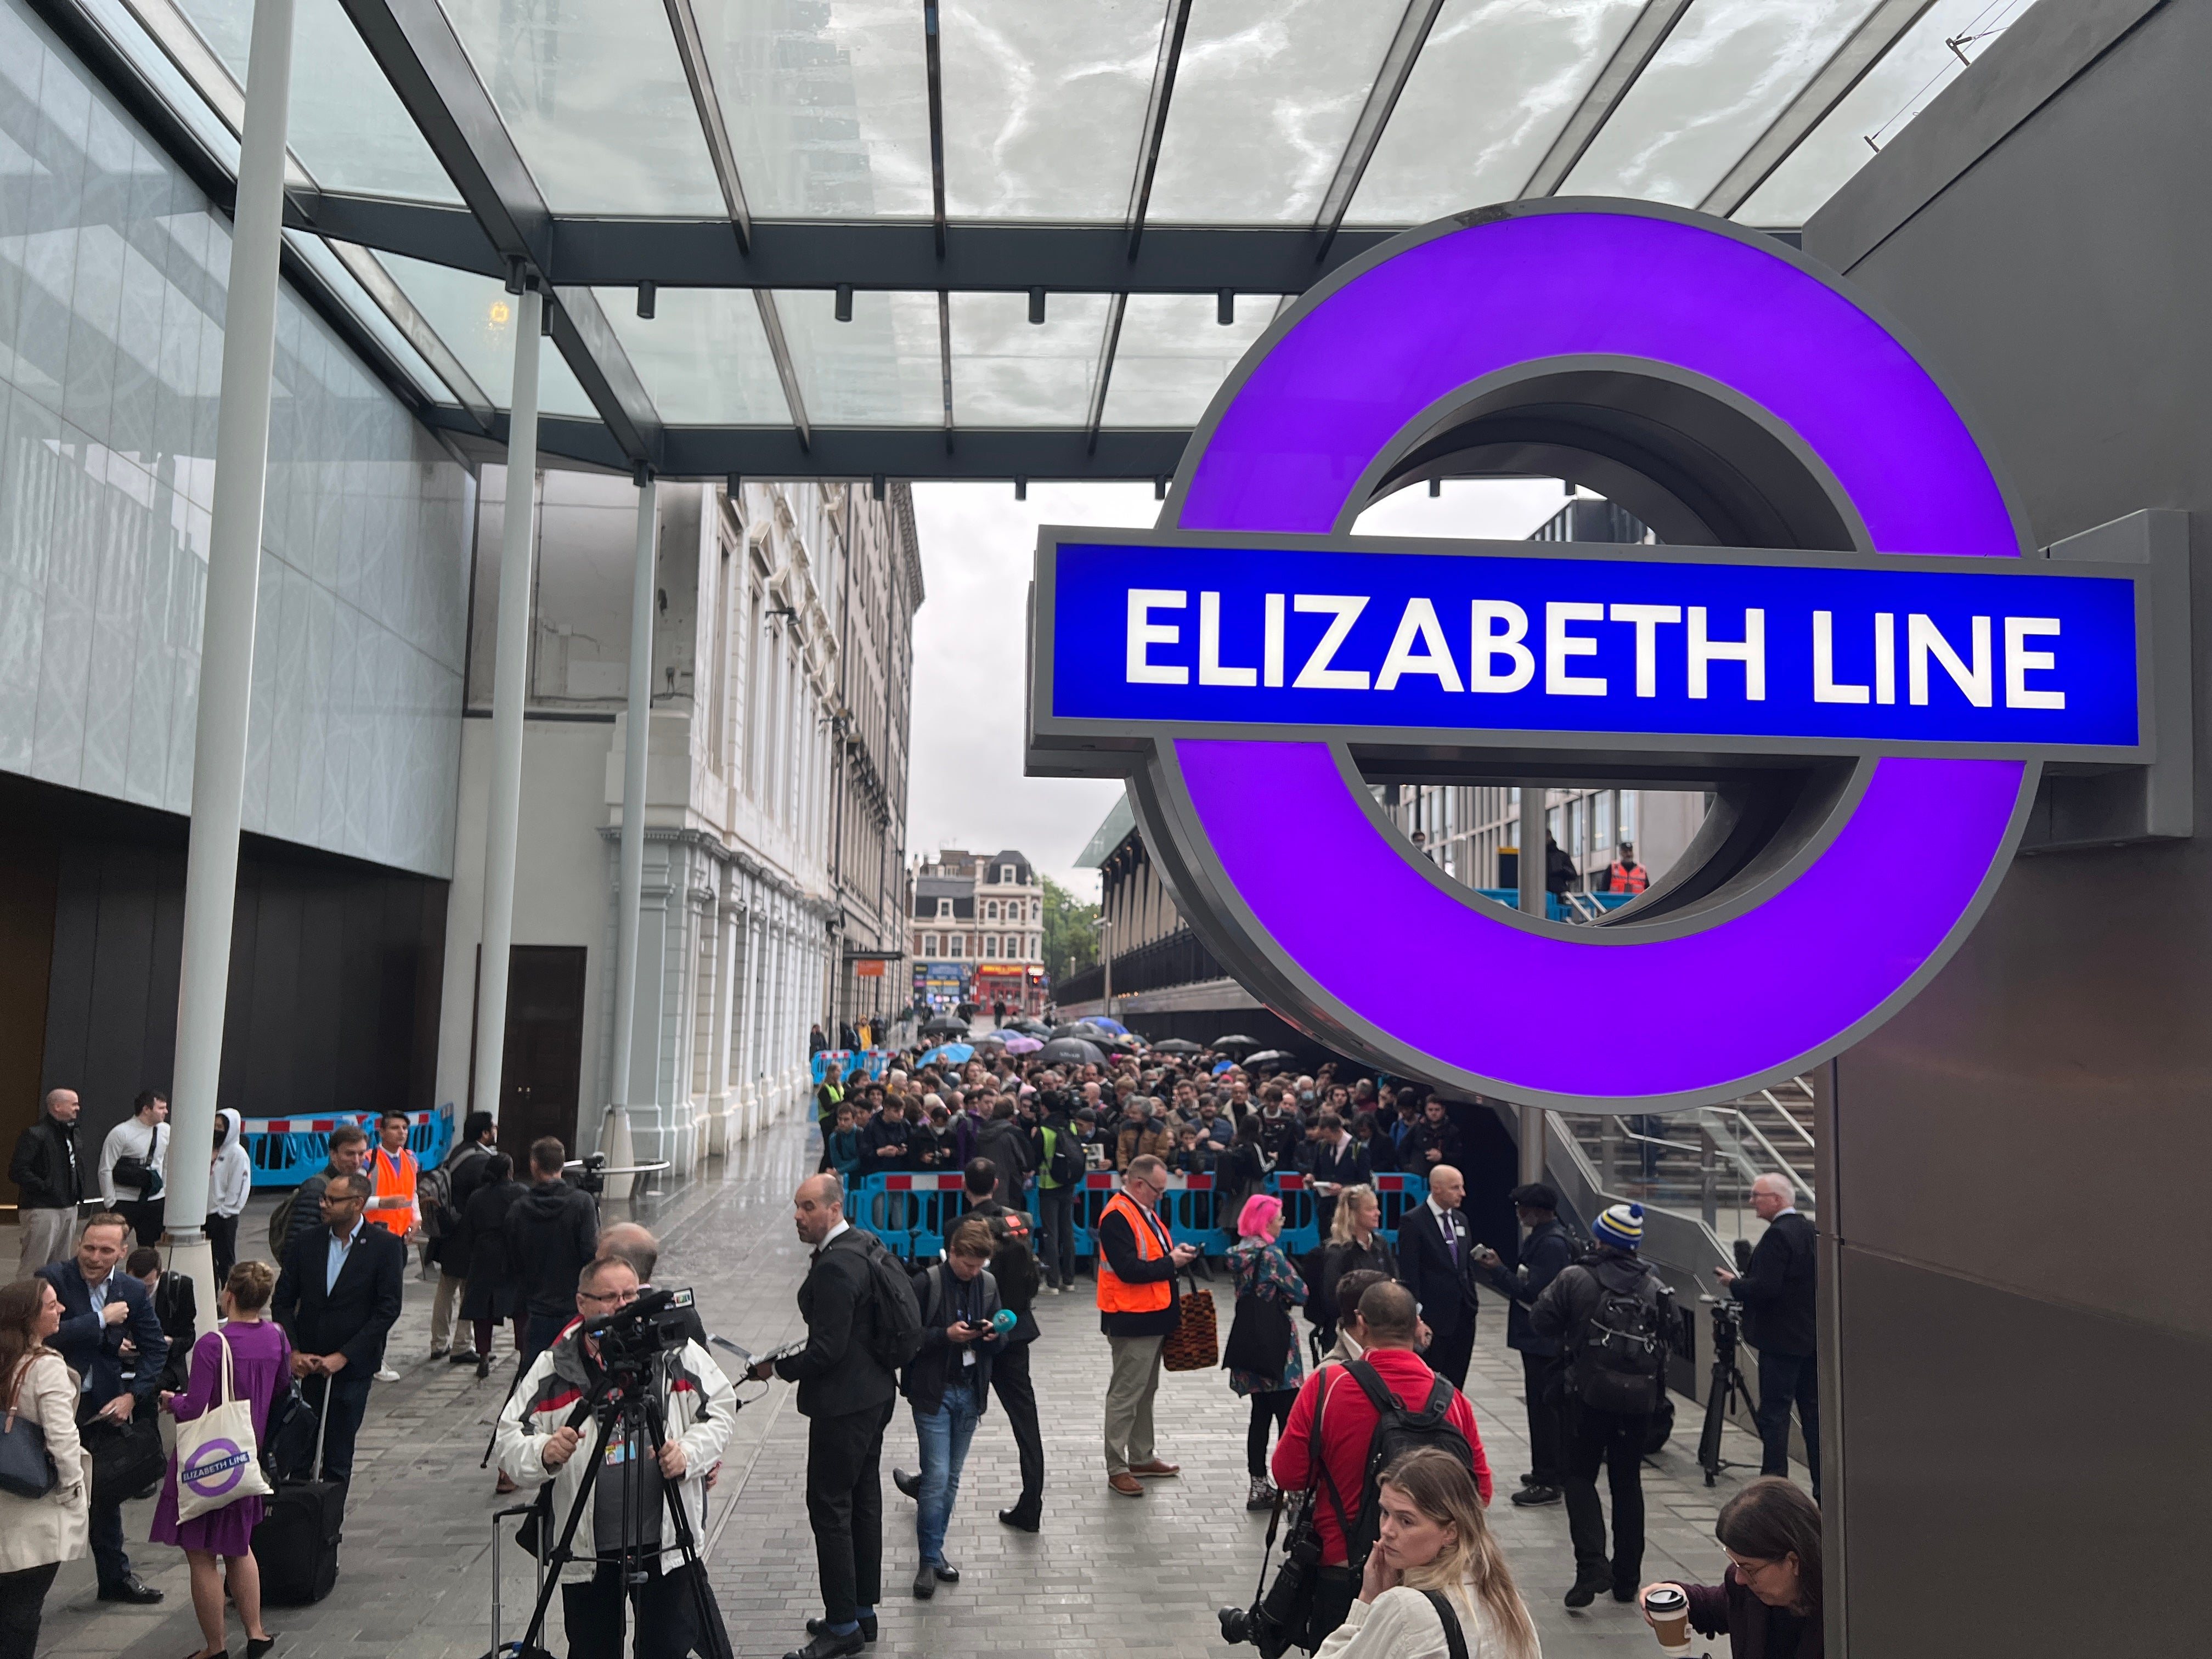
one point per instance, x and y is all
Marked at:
(1626, 875)
(1138, 1262)
(392, 1172)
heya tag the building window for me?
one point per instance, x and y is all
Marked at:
(1006, 874)
(945, 909)
(1036, 910)
(991, 911)
(990, 945)
(952, 946)
(929, 944)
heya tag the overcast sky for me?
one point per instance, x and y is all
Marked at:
(977, 546)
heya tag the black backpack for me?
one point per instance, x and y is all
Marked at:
(1619, 1363)
(1397, 1431)
(897, 1336)
(1066, 1166)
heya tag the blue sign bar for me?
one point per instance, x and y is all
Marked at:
(1652, 644)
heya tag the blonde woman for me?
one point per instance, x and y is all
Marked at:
(1433, 1540)
(1354, 1244)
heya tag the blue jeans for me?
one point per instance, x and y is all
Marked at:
(945, 1434)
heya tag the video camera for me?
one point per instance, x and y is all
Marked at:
(1276, 1620)
(653, 1325)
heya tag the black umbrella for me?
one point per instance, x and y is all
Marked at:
(943, 1025)
(1267, 1057)
(1175, 1046)
(1071, 1051)
(1084, 1030)
(1227, 1043)
(1035, 1028)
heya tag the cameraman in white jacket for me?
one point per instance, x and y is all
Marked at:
(537, 1442)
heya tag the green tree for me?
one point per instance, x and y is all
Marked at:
(1071, 942)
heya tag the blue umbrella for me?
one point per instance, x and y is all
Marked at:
(959, 1052)
(1109, 1024)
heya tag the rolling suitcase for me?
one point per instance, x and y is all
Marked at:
(297, 1541)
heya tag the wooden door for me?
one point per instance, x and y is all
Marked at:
(542, 1072)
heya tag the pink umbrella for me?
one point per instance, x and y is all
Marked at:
(1022, 1045)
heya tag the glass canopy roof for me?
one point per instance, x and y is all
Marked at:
(948, 183)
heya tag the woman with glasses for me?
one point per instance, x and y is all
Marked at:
(1768, 1601)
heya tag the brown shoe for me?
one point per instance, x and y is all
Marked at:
(1155, 1468)
(1126, 1486)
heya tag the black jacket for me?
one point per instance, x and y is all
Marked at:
(93, 1348)
(838, 1372)
(1442, 1282)
(1776, 1289)
(878, 1133)
(1563, 1312)
(477, 1248)
(1547, 1250)
(44, 1168)
(1349, 1168)
(306, 1210)
(1282, 1137)
(552, 1233)
(464, 1174)
(1002, 1141)
(353, 1316)
(178, 1308)
(1442, 1138)
(1014, 1269)
(1338, 1259)
(930, 1373)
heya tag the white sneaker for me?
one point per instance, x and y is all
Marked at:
(387, 1375)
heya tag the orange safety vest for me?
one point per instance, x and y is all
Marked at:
(1153, 1243)
(394, 1179)
(1630, 878)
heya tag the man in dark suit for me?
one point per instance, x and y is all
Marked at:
(1436, 1263)
(1334, 1160)
(845, 1393)
(336, 1299)
(1776, 1289)
(102, 1308)
(1545, 1253)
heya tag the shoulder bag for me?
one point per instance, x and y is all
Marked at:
(1259, 1336)
(27, 1468)
(1194, 1344)
(217, 1460)
(1447, 1615)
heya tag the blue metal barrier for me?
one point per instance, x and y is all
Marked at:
(913, 1214)
(851, 1063)
(286, 1150)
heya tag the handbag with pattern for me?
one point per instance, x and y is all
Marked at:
(1193, 1346)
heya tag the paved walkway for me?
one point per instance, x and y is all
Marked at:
(1106, 1577)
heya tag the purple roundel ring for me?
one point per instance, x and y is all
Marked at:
(1342, 918)
(217, 1466)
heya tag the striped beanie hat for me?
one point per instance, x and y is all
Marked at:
(1621, 1227)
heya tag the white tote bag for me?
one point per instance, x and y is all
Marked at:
(218, 1463)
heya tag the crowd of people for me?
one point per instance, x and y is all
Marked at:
(1352, 1356)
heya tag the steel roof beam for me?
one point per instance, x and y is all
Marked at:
(846, 453)
(1173, 27)
(897, 256)
(684, 24)
(1397, 68)
(1614, 81)
(1869, 43)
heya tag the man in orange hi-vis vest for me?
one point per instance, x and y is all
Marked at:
(393, 1171)
(1137, 1265)
(1626, 875)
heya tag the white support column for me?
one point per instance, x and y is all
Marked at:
(726, 995)
(226, 688)
(510, 685)
(637, 742)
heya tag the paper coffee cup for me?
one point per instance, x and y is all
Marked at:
(1669, 1610)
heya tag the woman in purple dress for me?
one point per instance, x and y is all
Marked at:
(260, 1367)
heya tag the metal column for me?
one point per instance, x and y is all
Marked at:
(1535, 861)
(510, 686)
(226, 688)
(637, 737)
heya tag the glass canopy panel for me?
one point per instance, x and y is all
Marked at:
(827, 104)
(1007, 371)
(346, 125)
(1266, 97)
(475, 316)
(882, 368)
(1489, 94)
(594, 94)
(1044, 105)
(316, 253)
(703, 357)
(1173, 356)
(1729, 68)
(1905, 83)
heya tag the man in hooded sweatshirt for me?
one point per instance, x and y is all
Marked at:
(229, 1187)
(552, 1234)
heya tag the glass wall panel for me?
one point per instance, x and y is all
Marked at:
(1009, 372)
(594, 94)
(1044, 105)
(882, 368)
(1894, 91)
(346, 125)
(114, 270)
(317, 255)
(474, 316)
(1174, 356)
(1729, 68)
(1265, 99)
(1491, 91)
(703, 357)
(827, 104)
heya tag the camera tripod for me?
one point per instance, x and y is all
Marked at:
(1728, 1389)
(632, 1398)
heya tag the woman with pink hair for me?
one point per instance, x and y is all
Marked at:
(1262, 1354)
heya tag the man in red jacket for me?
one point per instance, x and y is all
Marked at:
(1390, 1325)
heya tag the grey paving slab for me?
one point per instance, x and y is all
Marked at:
(1107, 1576)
